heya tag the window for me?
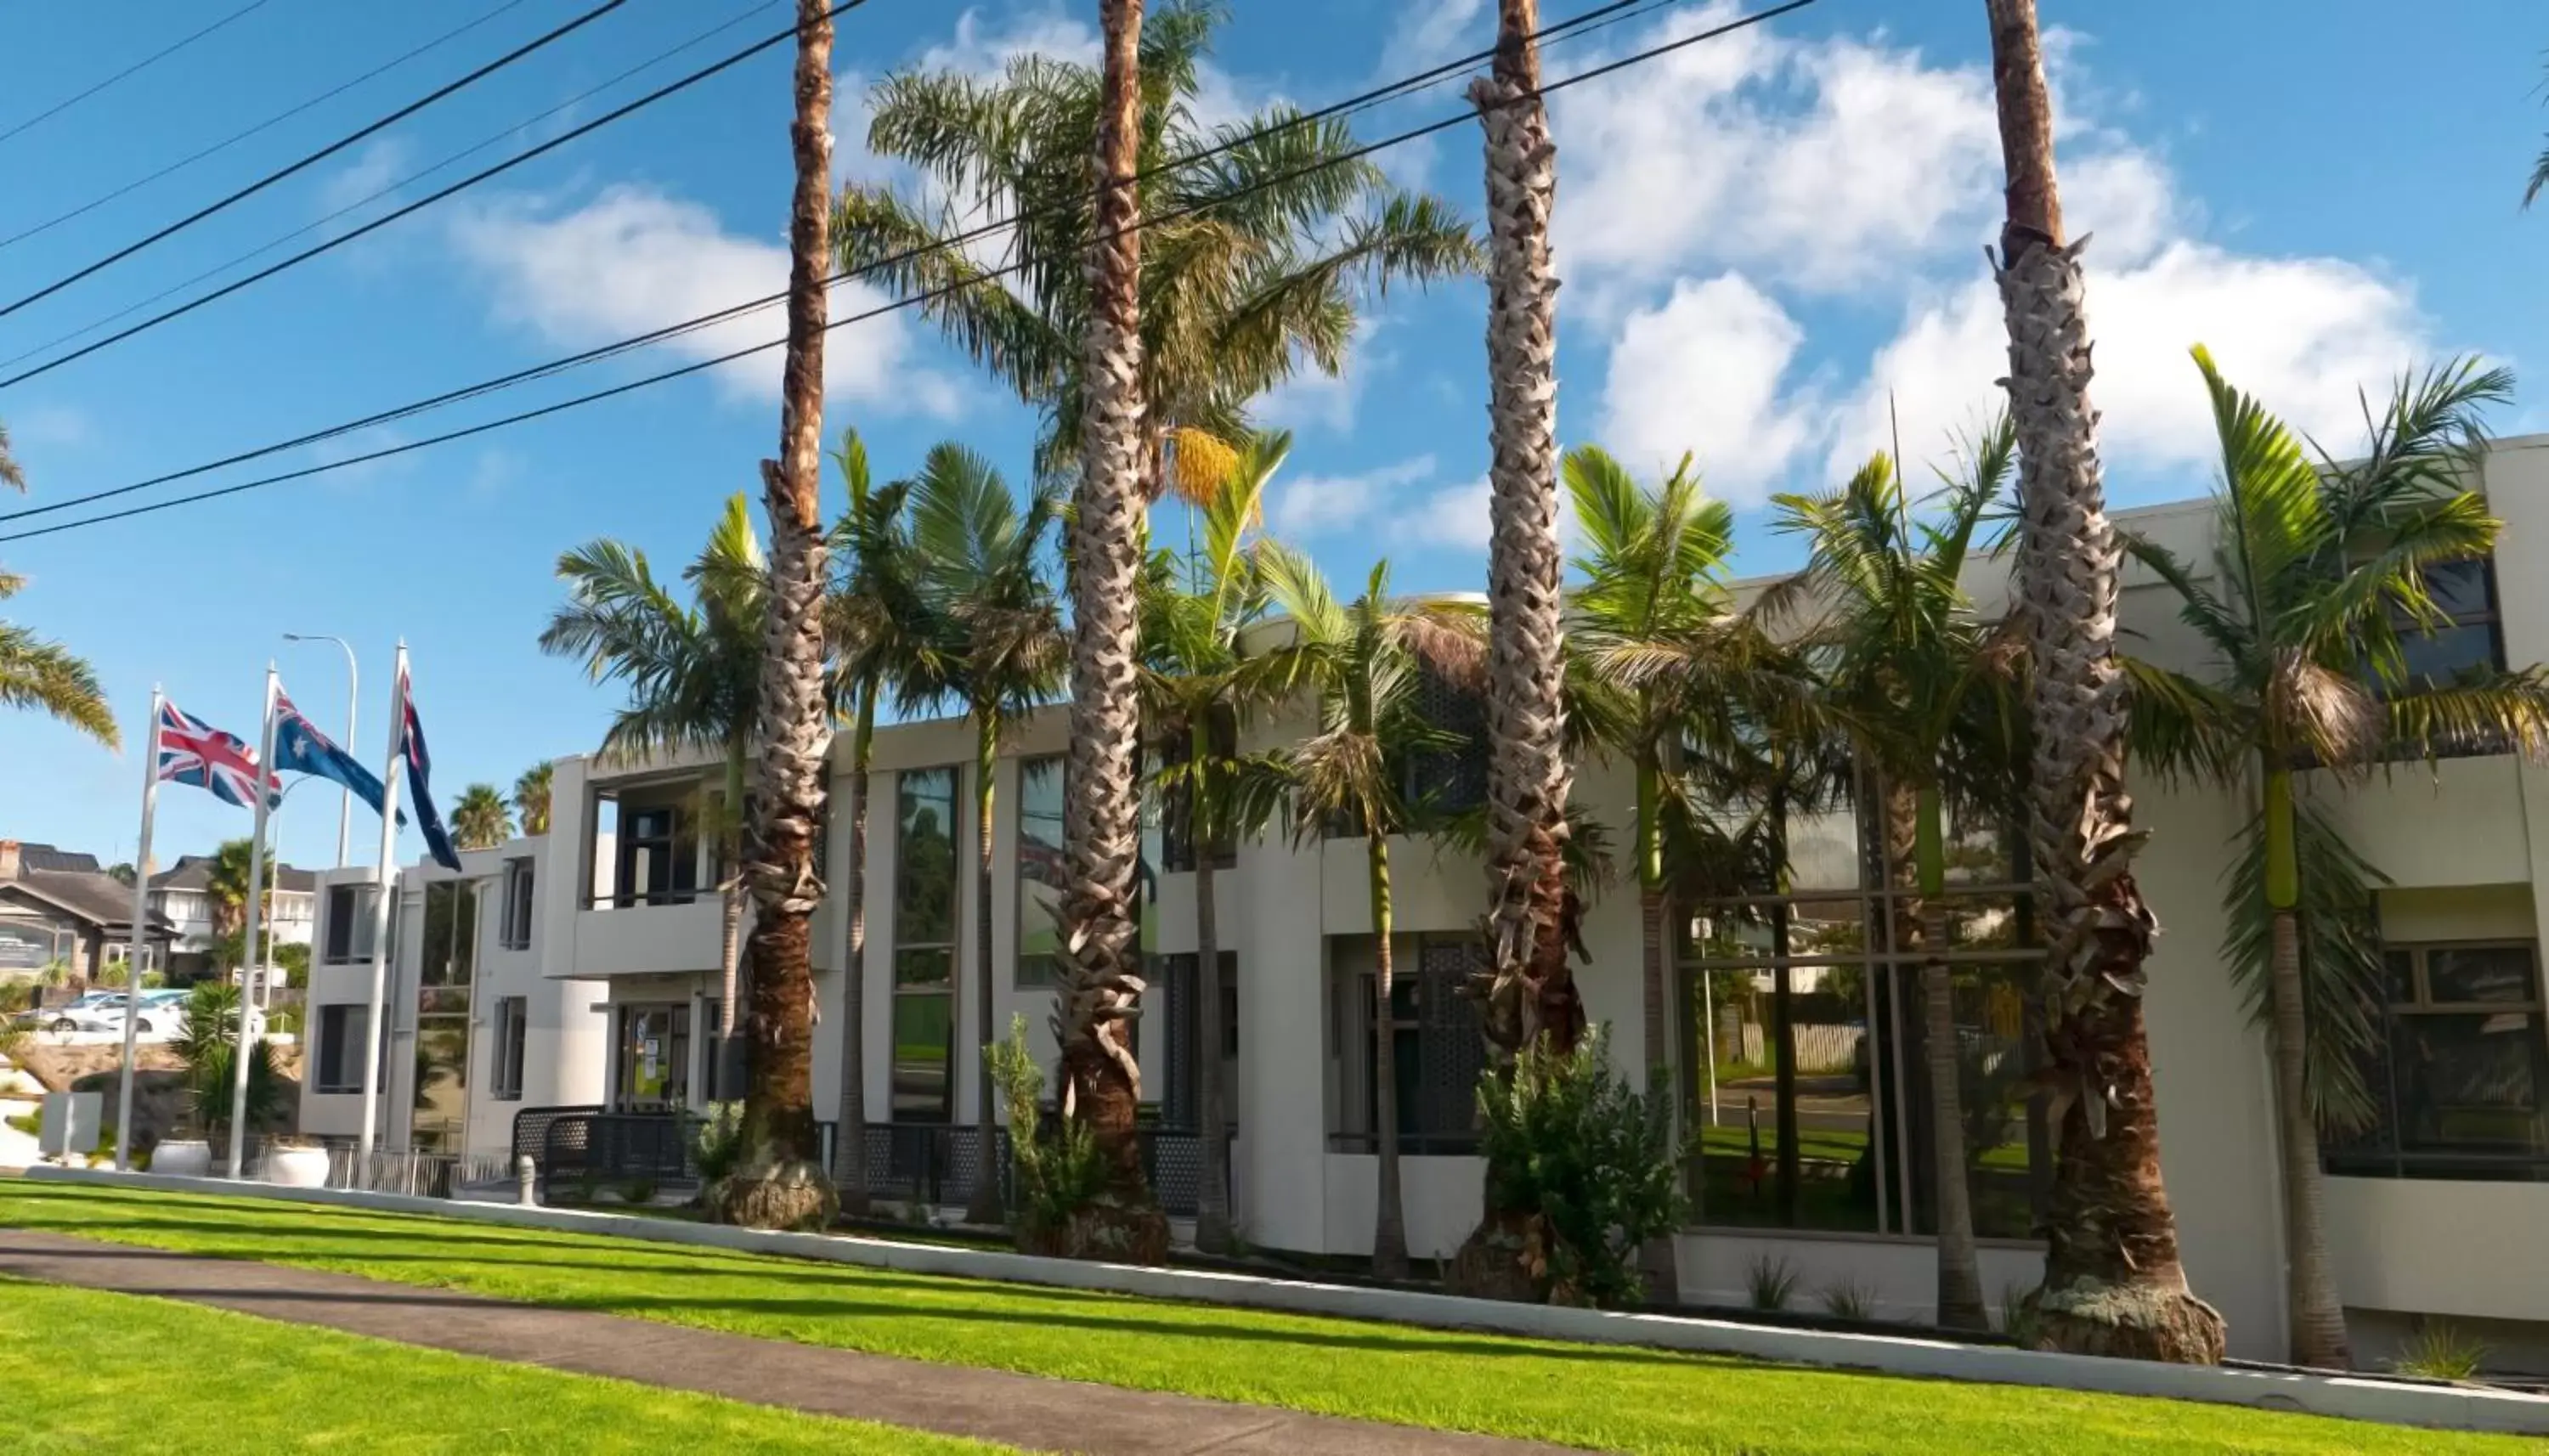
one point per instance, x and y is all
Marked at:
(658, 855)
(1433, 1038)
(2474, 642)
(512, 1033)
(349, 923)
(518, 906)
(651, 1071)
(924, 943)
(341, 1047)
(1039, 869)
(444, 978)
(1175, 982)
(2459, 1074)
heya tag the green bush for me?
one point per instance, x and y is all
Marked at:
(718, 1144)
(1593, 1163)
(638, 1192)
(1058, 1176)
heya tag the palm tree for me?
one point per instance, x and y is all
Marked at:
(1655, 630)
(226, 888)
(1922, 682)
(2321, 571)
(1198, 687)
(1361, 663)
(1255, 262)
(780, 1181)
(692, 674)
(878, 630)
(1100, 962)
(995, 645)
(2112, 1280)
(41, 674)
(1527, 987)
(479, 819)
(532, 797)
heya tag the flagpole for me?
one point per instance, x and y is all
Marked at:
(140, 940)
(248, 957)
(384, 894)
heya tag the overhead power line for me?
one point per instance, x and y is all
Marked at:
(670, 88)
(916, 300)
(356, 205)
(321, 155)
(153, 58)
(235, 137)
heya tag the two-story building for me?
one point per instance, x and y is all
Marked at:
(612, 984)
(181, 894)
(61, 913)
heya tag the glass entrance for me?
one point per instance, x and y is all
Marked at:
(651, 1070)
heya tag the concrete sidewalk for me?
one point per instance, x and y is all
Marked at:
(987, 1404)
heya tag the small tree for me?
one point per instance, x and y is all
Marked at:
(1054, 1177)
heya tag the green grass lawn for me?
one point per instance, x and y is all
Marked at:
(108, 1372)
(1606, 1398)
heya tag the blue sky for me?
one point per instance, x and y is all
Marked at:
(1761, 240)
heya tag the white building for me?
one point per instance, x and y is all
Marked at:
(181, 895)
(2438, 1213)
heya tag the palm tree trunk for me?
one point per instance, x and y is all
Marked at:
(1532, 990)
(2316, 1314)
(849, 1137)
(730, 930)
(984, 1207)
(1960, 1276)
(1100, 955)
(2112, 1280)
(1654, 921)
(1390, 1218)
(1212, 1204)
(781, 1183)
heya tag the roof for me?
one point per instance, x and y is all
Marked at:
(194, 873)
(46, 856)
(93, 897)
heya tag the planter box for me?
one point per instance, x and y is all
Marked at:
(183, 1159)
(293, 1167)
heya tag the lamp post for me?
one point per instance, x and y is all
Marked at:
(345, 798)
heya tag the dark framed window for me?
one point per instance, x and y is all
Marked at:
(1175, 981)
(341, 1049)
(2472, 643)
(349, 923)
(658, 855)
(927, 862)
(2461, 1070)
(1435, 1039)
(1040, 877)
(651, 1067)
(518, 885)
(513, 1034)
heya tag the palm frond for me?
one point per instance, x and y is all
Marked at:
(2342, 965)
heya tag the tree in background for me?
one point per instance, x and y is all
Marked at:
(2326, 577)
(2112, 1280)
(479, 819)
(41, 674)
(531, 799)
(226, 888)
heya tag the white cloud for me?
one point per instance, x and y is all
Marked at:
(1314, 399)
(382, 161)
(1322, 504)
(634, 259)
(1458, 517)
(1431, 33)
(1703, 373)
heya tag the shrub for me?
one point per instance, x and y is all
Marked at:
(1771, 1282)
(1848, 1299)
(2437, 1351)
(1592, 1163)
(1058, 1176)
(718, 1145)
(638, 1192)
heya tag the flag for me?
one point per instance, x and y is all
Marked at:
(419, 768)
(191, 752)
(300, 748)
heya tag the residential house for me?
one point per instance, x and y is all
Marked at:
(57, 907)
(182, 894)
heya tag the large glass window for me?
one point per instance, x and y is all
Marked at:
(1039, 869)
(448, 969)
(657, 861)
(349, 923)
(2458, 1075)
(926, 864)
(513, 1034)
(341, 1049)
(517, 904)
(651, 1071)
(1435, 1041)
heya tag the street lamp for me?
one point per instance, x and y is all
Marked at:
(345, 800)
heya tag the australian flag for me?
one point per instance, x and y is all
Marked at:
(419, 769)
(300, 748)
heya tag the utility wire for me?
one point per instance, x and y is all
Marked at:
(418, 175)
(429, 199)
(155, 56)
(916, 300)
(235, 137)
(321, 155)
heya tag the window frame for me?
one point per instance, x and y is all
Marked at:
(509, 1050)
(357, 921)
(335, 1017)
(2383, 1150)
(900, 991)
(514, 929)
(1045, 974)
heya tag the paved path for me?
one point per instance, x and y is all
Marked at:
(988, 1405)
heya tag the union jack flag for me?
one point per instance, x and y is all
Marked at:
(208, 758)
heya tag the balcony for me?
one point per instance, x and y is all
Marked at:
(650, 906)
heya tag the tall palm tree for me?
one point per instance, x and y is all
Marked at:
(780, 1181)
(2112, 1280)
(1922, 682)
(2319, 576)
(41, 674)
(479, 818)
(226, 888)
(1099, 961)
(1655, 627)
(531, 799)
(1528, 986)
(692, 672)
(995, 645)
(880, 636)
(1361, 662)
(1256, 262)
(1199, 686)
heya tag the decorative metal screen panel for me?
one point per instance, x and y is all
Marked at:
(1449, 780)
(1177, 1099)
(1452, 1052)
